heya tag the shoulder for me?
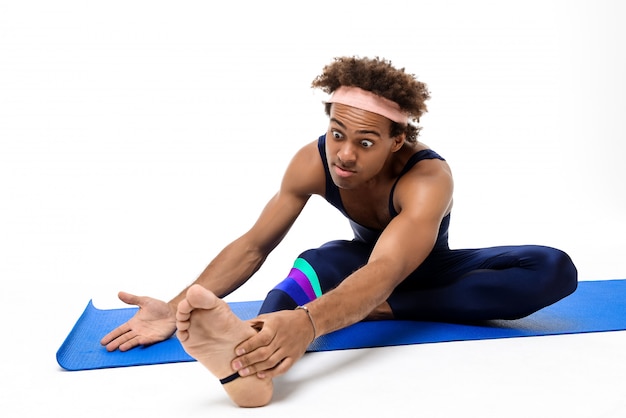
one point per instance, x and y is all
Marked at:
(427, 165)
(305, 173)
(309, 151)
(428, 185)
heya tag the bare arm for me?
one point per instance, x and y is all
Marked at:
(425, 197)
(239, 260)
(236, 263)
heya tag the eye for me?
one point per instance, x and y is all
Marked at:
(366, 143)
(336, 135)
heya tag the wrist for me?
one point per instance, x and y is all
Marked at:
(173, 308)
(310, 318)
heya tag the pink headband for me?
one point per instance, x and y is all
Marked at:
(366, 100)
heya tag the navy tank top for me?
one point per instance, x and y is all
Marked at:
(370, 235)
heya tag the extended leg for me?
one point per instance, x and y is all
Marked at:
(315, 272)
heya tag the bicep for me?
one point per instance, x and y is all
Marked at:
(404, 245)
(411, 235)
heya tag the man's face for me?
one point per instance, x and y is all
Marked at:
(358, 145)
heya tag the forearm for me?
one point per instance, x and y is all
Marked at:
(397, 253)
(355, 298)
(232, 267)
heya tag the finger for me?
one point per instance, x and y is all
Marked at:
(262, 339)
(265, 366)
(131, 343)
(116, 333)
(260, 360)
(255, 323)
(281, 369)
(129, 298)
(119, 341)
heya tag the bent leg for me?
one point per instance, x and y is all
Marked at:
(489, 283)
(209, 332)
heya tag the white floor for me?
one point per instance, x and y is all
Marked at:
(138, 138)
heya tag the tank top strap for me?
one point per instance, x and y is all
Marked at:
(332, 191)
(425, 154)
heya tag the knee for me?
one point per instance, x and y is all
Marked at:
(560, 271)
(277, 300)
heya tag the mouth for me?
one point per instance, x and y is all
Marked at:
(343, 172)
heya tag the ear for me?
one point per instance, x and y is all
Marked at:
(398, 141)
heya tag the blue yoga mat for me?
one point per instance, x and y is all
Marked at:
(596, 306)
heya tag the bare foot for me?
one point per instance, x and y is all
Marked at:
(209, 332)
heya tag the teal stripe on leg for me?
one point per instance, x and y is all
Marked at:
(304, 266)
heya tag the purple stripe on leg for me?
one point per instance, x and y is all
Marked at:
(303, 282)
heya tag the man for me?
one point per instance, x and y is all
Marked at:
(397, 195)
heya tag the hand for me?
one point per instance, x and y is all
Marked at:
(154, 321)
(282, 339)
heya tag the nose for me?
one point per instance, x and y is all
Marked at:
(346, 154)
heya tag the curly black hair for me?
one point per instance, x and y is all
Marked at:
(380, 77)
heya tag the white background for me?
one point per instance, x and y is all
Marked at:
(138, 138)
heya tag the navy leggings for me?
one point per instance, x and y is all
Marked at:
(507, 282)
